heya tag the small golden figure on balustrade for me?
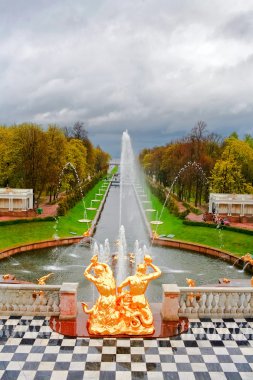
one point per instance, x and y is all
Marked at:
(41, 281)
(118, 312)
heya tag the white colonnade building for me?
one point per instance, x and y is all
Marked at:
(16, 199)
(231, 204)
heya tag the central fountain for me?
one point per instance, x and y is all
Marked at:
(115, 311)
(118, 311)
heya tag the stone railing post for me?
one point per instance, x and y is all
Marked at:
(170, 304)
(68, 300)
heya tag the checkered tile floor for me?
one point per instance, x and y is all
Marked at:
(212, 349)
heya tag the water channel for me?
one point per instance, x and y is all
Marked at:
(68, 263)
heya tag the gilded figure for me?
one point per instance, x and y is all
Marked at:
(119, 311)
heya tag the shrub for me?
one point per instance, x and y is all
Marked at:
(70, 200)
(22, 221)
(192, 209)
(211, 225)
(160, 192)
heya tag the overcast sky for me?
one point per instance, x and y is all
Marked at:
(154, 67)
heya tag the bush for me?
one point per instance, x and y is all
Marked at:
(211, 225)
(22, 221)
(70, 200)
(61, 210)
(160, 192)
(183, 214)
(192, 209)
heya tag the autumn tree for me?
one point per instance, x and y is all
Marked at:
(7, 165)
(79, 132)
(75, 175)
(30, 151)
(232, 173)
(101, 160)
(56, 158)
(167, 162)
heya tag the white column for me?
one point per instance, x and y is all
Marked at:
(10, 204)
(23, 204)
(31, 201)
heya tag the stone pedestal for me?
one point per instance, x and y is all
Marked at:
(170, 304)
(68, 300)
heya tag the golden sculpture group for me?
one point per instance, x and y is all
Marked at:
(119, 311)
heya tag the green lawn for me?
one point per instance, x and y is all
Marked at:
(14, 235)
(17, 234)
(234, 242)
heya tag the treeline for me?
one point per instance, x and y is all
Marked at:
(33, 157)
(211, 164)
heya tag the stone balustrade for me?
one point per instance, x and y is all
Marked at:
(213, 302)
(41, 300)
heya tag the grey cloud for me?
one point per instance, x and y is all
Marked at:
(240, 26)
(153, 67)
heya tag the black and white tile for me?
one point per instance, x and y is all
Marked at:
(214, 349)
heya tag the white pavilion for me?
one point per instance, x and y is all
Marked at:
(16, 199)
(231, 204)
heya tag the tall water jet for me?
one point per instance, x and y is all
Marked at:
(127, 177)
(122, 251)
(129, 212)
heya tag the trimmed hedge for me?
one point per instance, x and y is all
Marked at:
(71, 200)
(160, 192)
(192, 209)
(21, 221)
(209, 225)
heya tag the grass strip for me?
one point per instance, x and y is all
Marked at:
(237, 243)
(12, 235)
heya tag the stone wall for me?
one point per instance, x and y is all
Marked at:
(43, 244)
(204, 250)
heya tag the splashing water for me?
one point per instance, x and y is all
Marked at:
(124, 261)
(73, 168)
(189, 164)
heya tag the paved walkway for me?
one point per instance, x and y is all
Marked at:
(199, 218)
(48, 210)
(214, 349)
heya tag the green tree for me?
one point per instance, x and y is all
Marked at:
(227, 177)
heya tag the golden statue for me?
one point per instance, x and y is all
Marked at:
(127, 312)
(103, 317)
(87, 233)
(192, 284)
(141, 318)
(8, 276)
(246, 257)
(42, 280)
(155, 235)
